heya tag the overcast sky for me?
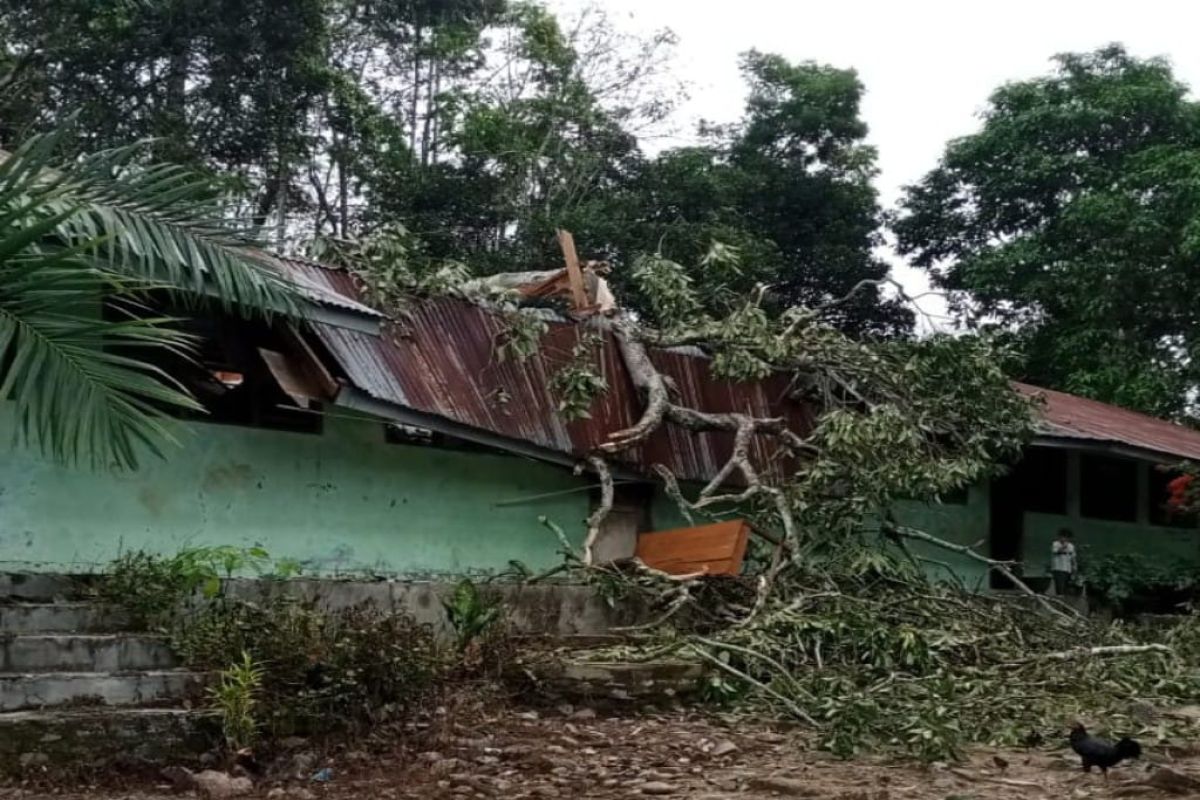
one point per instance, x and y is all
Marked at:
(928, 65)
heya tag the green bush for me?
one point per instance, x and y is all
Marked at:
(322, 671)
(151, 588)
(1126, 581)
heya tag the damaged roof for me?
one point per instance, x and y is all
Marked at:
(438, 368)
(1082, 421)
(440, 361)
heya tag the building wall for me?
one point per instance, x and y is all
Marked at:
(1095, 538)
(341, 502)
(961, 523)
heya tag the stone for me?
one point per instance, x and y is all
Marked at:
(723, 748)
(302, 765)
(442, 768)
(1142, 712)
(302, 794)
(658, 788)
(786, 786)
(220, 785)
(33, 760)
(293, 742)
(278, 793)
(584, 713)
(180, 778)
(1187, 713)
(430, 756)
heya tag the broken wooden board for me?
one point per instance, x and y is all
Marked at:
(716, 549)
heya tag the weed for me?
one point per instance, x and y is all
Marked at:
(151, 588)
(235, 697)
(471, 614)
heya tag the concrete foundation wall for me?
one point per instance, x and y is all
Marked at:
(550, 609)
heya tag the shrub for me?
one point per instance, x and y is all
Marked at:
(322, 670)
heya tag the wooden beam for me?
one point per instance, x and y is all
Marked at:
(579, 298)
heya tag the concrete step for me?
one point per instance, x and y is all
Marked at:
(41, 587)
(75, 652)
(22, 618)
(52, 689)
(89, 739)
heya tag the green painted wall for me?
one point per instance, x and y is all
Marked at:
(965, 523)
(1095, 539)
(342, 502)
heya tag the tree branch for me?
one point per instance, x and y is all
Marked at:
(999, 566)
(595, 521)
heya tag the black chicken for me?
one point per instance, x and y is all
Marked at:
(1101, 753)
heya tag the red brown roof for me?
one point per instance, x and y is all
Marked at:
(440, 360)
(1066, 416)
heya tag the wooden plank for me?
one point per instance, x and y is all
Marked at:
(579, 298)
(318, 372)
(716, 549)
(292, 379)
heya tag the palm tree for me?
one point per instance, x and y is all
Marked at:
(99, 231)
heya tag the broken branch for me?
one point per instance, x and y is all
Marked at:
(999, 566)
(595, 521)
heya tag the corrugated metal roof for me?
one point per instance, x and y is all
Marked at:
(441, 360)
(1067, 416)
(323, 285)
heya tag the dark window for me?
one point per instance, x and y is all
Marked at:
(226, 371)
(1042, 478)
(1108, 488)
(1160, 512)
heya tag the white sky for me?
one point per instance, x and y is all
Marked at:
(928, 65)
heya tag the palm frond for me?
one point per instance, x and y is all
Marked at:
(76, 394)
(72, 235)
(162, 223)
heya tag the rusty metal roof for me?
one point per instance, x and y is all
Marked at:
(321, 285)
(1066, 416)
(441, 360)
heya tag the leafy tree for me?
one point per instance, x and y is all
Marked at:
(1070, 221)
(787, 189)
(221, 84)
(74, 232)
(480, 126)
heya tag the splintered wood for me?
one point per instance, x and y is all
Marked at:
(716, 549)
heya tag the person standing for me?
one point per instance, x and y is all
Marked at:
(1063, 563)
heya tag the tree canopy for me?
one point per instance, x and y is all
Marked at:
(1070, 220)
(478, 126)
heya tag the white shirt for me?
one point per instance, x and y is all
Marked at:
(1062, 557)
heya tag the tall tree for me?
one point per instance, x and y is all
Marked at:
(788, 189)
(221, 84)
(1070, 220)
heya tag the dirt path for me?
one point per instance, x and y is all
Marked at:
(514, 754)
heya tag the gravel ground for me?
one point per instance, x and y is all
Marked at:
(567, 753)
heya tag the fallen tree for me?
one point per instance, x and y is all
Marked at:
(835, 625)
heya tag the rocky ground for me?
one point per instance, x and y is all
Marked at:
(568, 753)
